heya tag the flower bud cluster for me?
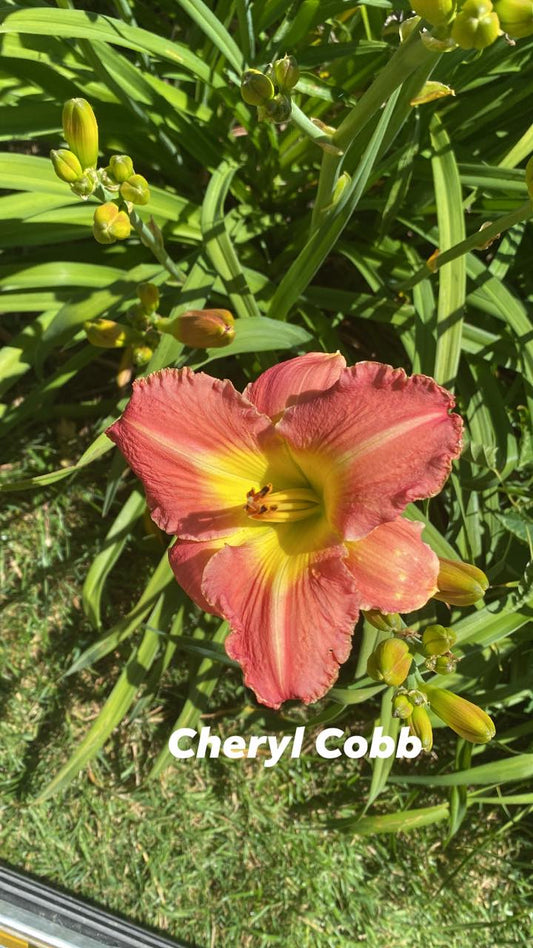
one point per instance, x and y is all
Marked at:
(77, 166)
(270, 90)
(475, 24)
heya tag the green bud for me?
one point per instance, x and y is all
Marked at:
(135, 190)
(142, 355)
(529, 177)
(108, 334)
(516, 17)
(110, 224)
(460, 584)
(465, 718)
(390, 662)
(385, 622)
(138, 317)
(201, 328)
(420, 726)
(476, 26)
(66, 165)
(401, 706)
(85, 185)
(120, 168)
(256, 88)
(81, 131)
(436, 12)
(148, 294)
(445, 664)
(277, 110)
(286, 73)
(436, 640)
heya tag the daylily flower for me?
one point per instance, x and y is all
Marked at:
(287, 501)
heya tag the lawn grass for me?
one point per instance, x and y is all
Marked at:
(218, 853)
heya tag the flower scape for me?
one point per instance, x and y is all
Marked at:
(287, 503)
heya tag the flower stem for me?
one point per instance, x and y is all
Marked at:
(153, 239)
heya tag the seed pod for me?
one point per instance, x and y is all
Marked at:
(465, 718)
(420, 726)
(135, 190)
(108, 334)
(110, 224)
(460, 584)
(120, 168)
(81, 131)
(286, 73)
(516, 17)
(385, 622)
(401, 706)
(476, 26)
(445, 664)
(390, 662)
(66, 165)
(201, 328)
(148, 294)
(436, 12)
(85, 185)
(256, 88)
(278, 110)
(436, 640)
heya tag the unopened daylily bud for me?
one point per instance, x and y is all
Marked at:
(120, 168)
(108, 334)
(277, 110)
(529, 177)
(516, 17)
(385, 622)
(110, 224)
(390, 662)
(125, 369)
(135, 190)
(401, 706)
(148, 294)
(476, 25)
(286, 73)
(420, 726)
(201, 328)
(460, 584)
(436, 640)
(81, 131)
(66, 165)
(436, 12)
(142, 355)
(256, 88)
(85, 185)
(465, 718)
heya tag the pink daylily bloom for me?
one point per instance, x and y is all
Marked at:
(286, 502)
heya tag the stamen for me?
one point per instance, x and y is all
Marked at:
(296, 503)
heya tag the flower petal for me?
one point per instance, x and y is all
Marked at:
(188, 560)
(198, 446)
(394, 570)
(374, 442)
(291, 606)
(295, 381)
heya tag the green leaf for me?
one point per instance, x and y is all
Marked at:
(499, 771)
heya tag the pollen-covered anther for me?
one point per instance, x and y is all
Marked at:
(296, 503)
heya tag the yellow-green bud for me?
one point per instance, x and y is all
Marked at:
(66, 165)
(529, 177)
(277, 110)
(148, 294)
(436, 12)
(120, 168)
(142, 355)
(201, 328)
(444, 664)
(460, 584)
(85, 185)
(286, 73)
(390, 662)
(476, 25)
(81, 131)
(108, 334)
(436, 640)
(420, 726)
(385, 622)
(135, 190)
(256, 88)
(465, 718)
(401, 706)
(516, 17)
(110, 224)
